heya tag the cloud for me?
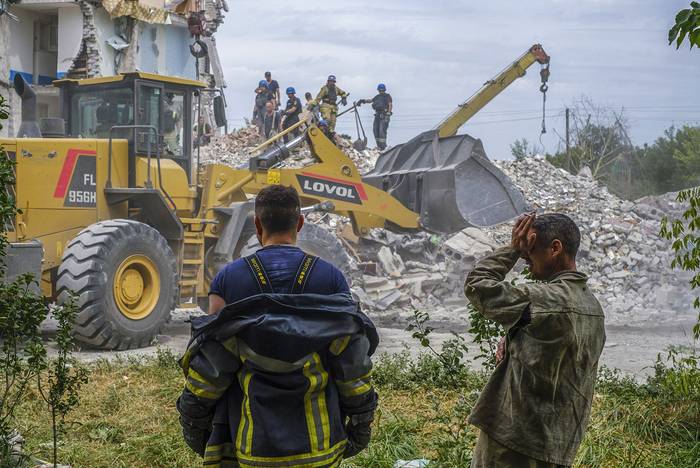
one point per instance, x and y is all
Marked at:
(433, 55)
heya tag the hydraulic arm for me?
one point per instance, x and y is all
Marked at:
(493, 88)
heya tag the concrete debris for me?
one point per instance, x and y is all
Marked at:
(470, 243)
(621, 251)
(417, 463)
(19, 458)
(585, 172)
(233, 149)
(627, 262)
(655, 208)
(236, 148)
(392, 264)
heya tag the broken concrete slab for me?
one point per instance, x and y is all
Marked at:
(391, 263)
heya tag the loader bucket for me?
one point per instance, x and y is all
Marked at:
(448, 181)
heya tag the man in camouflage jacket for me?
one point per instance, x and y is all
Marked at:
(535, 408)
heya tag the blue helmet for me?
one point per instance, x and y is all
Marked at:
(331, 78)
(381, 87)
(262, 84)
(291, 90)
(322, 123)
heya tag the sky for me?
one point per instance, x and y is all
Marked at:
(433, 55)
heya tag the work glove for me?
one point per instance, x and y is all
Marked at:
(359, 431)
(195, 430)
(344, 101)
(195, 437)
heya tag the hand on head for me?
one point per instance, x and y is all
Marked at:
(522, 239)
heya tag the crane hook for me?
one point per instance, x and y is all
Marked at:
(544, 76)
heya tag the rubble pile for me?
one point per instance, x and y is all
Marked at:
(628, 264)
(236, 148)
(232, 149)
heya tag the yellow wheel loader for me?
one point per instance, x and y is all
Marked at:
(114, 209)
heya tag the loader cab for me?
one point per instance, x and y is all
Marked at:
(92, 107)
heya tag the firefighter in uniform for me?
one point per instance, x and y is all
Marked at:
(327, 97)
(291, 112)
(281, 375)
(383, 107)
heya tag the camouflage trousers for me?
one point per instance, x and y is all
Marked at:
(329, 113)
(490, 454)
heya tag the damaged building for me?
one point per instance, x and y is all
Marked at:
(46, 40)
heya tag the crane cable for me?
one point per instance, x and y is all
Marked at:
(544, 75)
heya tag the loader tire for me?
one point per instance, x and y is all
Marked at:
(124, 279)
(317, 241)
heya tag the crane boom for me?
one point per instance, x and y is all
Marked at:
(493, 88)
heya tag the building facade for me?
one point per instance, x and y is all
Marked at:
(45, 40)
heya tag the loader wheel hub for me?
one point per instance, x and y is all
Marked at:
(136, 287)
(132, 286)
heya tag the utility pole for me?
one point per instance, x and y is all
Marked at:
(568, 155)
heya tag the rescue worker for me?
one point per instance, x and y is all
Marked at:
(202, 132)
(290, 114)
(172, 124)
(261, 98)
(383, 107)
(273, 89)
(327, 98)
(106, 116)
(535, 408)
(311, 107)
(280, 375)
(323, 125)
(270, 121)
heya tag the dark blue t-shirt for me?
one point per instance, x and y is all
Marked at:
(281, 262)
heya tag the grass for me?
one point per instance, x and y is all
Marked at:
(127, 417)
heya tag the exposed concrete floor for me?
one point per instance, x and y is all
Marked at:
(633, 350)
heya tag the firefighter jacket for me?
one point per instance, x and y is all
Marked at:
(329, 96)
(380, 103)
(272, 378)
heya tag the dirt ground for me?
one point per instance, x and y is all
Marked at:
(632, 349)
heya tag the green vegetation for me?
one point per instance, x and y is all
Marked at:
(24, 365)
(685, 234)
(599, 141)
(521, 149)
(687, 25)
(127, 416)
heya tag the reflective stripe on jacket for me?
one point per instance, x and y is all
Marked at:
(277, 375)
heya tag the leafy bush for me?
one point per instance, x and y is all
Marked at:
(687, 24)
(685, 234)
(676, 378)
(23, 356)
